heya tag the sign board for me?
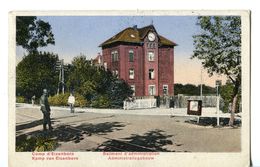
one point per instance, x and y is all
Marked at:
(218, 83)
(194, 107)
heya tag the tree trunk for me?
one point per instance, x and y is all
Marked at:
(234, 103)
(233, 110)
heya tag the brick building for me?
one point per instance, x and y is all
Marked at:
(143, 58)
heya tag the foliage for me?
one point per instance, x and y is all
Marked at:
(218, 46)
(32, 33)
(59, 99)
(80, 74)
(35, 72)
(96, 84)
(31, 144)
(193, 90)
(62, 100)
(118, 91)
(226, 92)
(101, 101)
(80, 101)
(20, 99)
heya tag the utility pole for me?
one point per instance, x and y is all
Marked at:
(62, 75)
(201, 83)
(218, 83)
(60, 68)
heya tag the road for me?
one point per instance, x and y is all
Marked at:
(86, 130)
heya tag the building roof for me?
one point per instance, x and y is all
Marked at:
(136, 35)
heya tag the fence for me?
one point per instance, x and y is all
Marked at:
(180, 101)
(139, 103)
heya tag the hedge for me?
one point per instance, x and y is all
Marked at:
(62, 100)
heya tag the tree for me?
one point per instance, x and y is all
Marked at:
(96, 84)
(32, 33)
(35, 72)
(218, 46)
(80, 76)
(118, 91)
(226, 92)
(192, 90)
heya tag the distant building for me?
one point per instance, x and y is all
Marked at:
(98, 61)
(143, 58)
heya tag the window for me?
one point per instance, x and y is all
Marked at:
(151, 73)
(114, 56)
(151, 90)
(131, 74)
(151, 56)
(131, 55)
(116, 73)
(165, 89)
(133, 88)
(151, 45)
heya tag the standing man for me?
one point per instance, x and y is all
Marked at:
(45, 108)
(71, 102)
(33, 100)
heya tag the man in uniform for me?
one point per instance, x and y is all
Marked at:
(45, 108)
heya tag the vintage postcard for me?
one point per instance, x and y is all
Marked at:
(129, 88)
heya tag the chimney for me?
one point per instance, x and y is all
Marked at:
(135, 27)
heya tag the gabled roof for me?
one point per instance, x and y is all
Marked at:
(136, 35)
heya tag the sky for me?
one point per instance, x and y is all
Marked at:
(75, 35)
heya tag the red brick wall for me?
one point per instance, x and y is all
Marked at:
(163, 66)
(150, 65)
(166, 66)
(123, 65)
(137, 65)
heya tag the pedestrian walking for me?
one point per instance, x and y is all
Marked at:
(71, 102)
(33, 100)
(45, 108)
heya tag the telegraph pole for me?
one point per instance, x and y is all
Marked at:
(218, 83)
(60, 67)
(62, 75)
(201, 83)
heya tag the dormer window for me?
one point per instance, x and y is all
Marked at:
(132, 35)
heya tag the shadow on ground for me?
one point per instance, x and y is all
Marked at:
(209, 121)
(150, 141)
(29, 125)
(38, 122)
(67, 133)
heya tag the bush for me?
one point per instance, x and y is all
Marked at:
(62, 100)
(20, 99)
(226, 92)
(101, 102)
(41, 143)
(80, 101)
(59, 100)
